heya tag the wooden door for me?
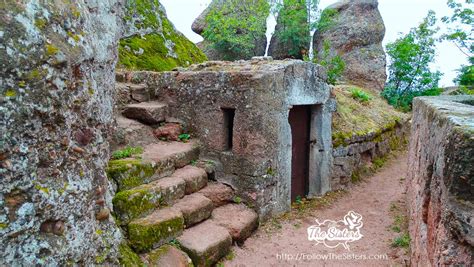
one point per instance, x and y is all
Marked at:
(300, 122)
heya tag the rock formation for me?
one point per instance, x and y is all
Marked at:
(151, 42)
(292, 24)
(441, 181)
(57, 82)
(260, 40)
(355, 30)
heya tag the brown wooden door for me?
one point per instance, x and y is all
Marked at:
(300, 119)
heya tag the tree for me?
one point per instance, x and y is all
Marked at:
(409, 71)
(235, 27)
(461, 27)
(334, 64)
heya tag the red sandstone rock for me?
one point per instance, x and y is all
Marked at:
(239, 220)
(169, 131)
(195, 178)
(220, 194)
(195, 208)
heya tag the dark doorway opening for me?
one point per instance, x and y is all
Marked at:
(300, 122)
(229, 114)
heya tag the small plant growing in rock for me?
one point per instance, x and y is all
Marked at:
(184, 137)
(360, 95)
(237, 200)
(403, 241)
(127, 152)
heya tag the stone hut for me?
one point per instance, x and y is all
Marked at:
(266, 124)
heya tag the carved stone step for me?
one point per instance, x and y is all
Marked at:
(238, 219)
(150, 113)
(205, 243)
(219, 194)
(167, 256)
(195, 208)
(195, 178)
(155, 230)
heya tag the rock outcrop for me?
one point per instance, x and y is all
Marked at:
(58, 61)
(151, 42)
(441, 181)
(355, 30)
(246, 9)
(292, 27)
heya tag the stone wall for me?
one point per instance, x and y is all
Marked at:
(56, 86)
(262, 92)
(441, 181)
(363, 154)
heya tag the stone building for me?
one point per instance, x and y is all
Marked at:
(266, 123)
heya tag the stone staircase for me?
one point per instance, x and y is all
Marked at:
(164, 194)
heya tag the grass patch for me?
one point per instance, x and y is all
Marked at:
(403, 241)
(127, 152)
(400, 226)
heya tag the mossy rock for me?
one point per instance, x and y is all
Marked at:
(136, 202)
(355, 119)
(167, 255)
(154, 44)
(128, 258)
(129, 173)
(158, 228)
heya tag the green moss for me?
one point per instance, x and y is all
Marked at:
(143, 236)
(3, 226)
(10, 93)
(128, 258)
(156, 46)
(51, 50)
(129, 173)
(41, 23)
(131, 204)
(42, 189)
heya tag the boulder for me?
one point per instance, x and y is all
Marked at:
(293, 15)
(151, 42)
(355, 30)
(56, 96)
(200, 24)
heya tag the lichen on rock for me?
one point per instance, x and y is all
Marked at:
(151, 42)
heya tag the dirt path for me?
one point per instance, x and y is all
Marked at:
(373, 199)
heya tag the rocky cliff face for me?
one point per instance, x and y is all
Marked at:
(355, 30)
(248, 6)
(151, 42)
(441, 181)
(58, 60)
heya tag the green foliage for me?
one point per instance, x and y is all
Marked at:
(409, 71)
(360, 95)
(127, 152)
(326, 20)
(184, 137)
(234, 27)
(294, 26)
(461, 27)
(334, 64)
(402, 241)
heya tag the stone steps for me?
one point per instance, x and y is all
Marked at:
(149, 113)
(158, 160)
(132, 93)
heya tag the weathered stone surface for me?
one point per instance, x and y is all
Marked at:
(155, 229)
(294, 15)
(57, 61)
(150, 113)
(239, 220)
(128, 93)
(151, 42)
(129, 132)
(441, 181)
(172, 188)
(219, 194)
(195, 178)
(195, 208)
(260, 40)
(355, 30)
(205, 243)
(168, 132)
(167, 256)
(258, 165)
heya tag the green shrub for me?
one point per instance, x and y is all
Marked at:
(360, 95)
(403, 241)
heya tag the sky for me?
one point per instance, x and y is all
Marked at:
(398, 15)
